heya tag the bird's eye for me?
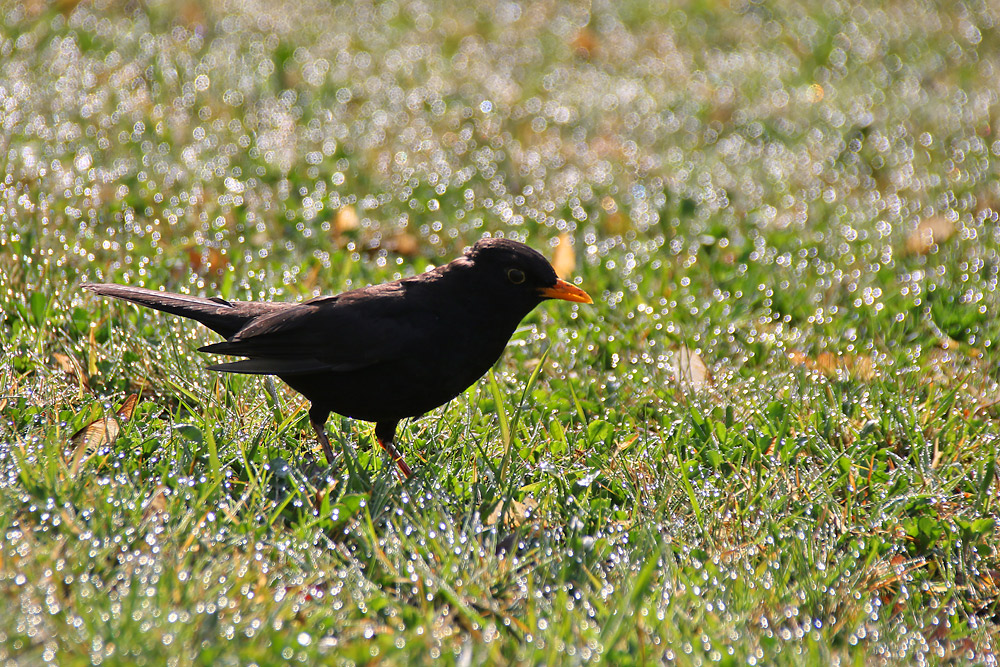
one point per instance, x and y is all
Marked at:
(516, 276)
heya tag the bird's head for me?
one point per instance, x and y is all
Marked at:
(518, 274)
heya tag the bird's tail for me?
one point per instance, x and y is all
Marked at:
(217, 314)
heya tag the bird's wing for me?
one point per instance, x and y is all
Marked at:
(348, 332)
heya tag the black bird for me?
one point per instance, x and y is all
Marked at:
(380, 353)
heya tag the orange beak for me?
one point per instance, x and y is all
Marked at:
(563, 290)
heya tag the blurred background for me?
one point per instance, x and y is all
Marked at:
(253, 148)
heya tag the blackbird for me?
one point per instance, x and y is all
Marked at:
(380, 353)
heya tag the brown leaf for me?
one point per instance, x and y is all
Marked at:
(584, 42)
(564, 258)
(156, 505)
(65, 363)
(66, 6)
(127, 409)
(947, 343)
(211, 260)
(309, 281)
(615, 222)
(71, 367)
(831, 365)
(88, 440)
(405, 244)
(828, 363)
(517, 512)
(98, 433)
(622, 446)
(798, 358)
(929, 233)
(863, 367)
(192, 15)
(690, 370)
(346, 220)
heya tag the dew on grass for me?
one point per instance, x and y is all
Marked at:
(742, 201)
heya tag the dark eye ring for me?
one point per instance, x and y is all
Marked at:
(516, 276)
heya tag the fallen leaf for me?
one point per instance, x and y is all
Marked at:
(564, 258)
(622, 446)
(690, 370)
(156, 504)
(310, 279)
(405, 244)
(930, 232)
(831, 365)
(98, 433)
(346, 220)
(798, 358)
(192, 15)
(948, 343)
(827, 363)
(517, 512)
(72, 368)
(65, 363)
(584, 42)
(212, 260)
(864, 367)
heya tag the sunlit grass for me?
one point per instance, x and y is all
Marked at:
(801, 197)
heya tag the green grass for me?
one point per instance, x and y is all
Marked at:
(745, 182)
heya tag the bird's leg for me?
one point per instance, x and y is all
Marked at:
(318, 420)
(397, 457)
(385, 433)
(323, 440)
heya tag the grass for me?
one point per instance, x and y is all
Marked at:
(771, 440)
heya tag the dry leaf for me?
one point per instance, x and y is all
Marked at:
(798, 358)
(98, 433)
(947, 343)
(346, 220)
(864, 367)
(405, 244)
(930, 232)
(622, 446)
(690, 370)
(72, 368)
(828, 363)
(34, 8)
(584, 42)
(156, 505)
(517, 512)
(310, 279)
(564, 258)
(192, 15)
(615, 222)
(66, 364)
(212, 260)
(831, 365)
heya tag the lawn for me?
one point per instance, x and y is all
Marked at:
(772, 439)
